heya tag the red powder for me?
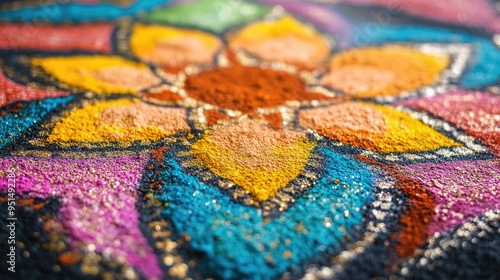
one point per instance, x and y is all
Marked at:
(247, 88)
(174, 70)
(418, 215)
(14, 110)
(231, 56)
(68, 258)
(274, 120)
(419, 212)
(90, 37)
(11, 92)
(213, 116)
(165, 95)
(158, 153)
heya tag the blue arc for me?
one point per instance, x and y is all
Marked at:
(238, 242)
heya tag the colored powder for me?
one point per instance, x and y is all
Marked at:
(98, 202)
(479, 13)
(88, 37)
(100, 74)
(213, 116)
(483, 69)
(374, 127)
(26, 202)
(247, 88)
(275, 120)
(331, 21)
(14, 125)
(163, 96)
(417, 215)
(462, 189)
(285, 40)
(232, 240)
(123, 3)
(390, 70)
(477, 113)
(11, 92)
(357, 79)
(77, 12)
(122, 120)
(236, 241)
(211, 15)
(254, 156)
(173, 46)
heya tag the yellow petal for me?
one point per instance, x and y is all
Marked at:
(122, 120)
(100, 74)
(285, 40)
(170, 46)
(255, 157)
(383, 71)
(374, 127)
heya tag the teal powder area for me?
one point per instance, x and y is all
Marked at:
(237, 240)
(13, 125)
(78, 12)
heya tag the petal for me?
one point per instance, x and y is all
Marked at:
(100, 74)
(174, 47)
(260, 165)
(383, 71)
(374, 127)
(285, 40)
(119, 121)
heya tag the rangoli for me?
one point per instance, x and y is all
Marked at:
(271, 139)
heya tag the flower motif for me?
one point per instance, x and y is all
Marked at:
(261, 126)
(248, 88)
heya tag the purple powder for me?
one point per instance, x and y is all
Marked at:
(99, 197)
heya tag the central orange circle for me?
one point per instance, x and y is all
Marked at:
(247, 88)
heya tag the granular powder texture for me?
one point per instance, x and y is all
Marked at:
(285, 40)
(162, 96)
(368, 72)
(101, 74)
(478, 113)
(373, 127)
(269, 139)
(11, 92)
(261, 165)
(169, 46)
(90, 37)
(248, 88)
(121, 120)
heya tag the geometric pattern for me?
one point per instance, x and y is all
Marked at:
(259, 139)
